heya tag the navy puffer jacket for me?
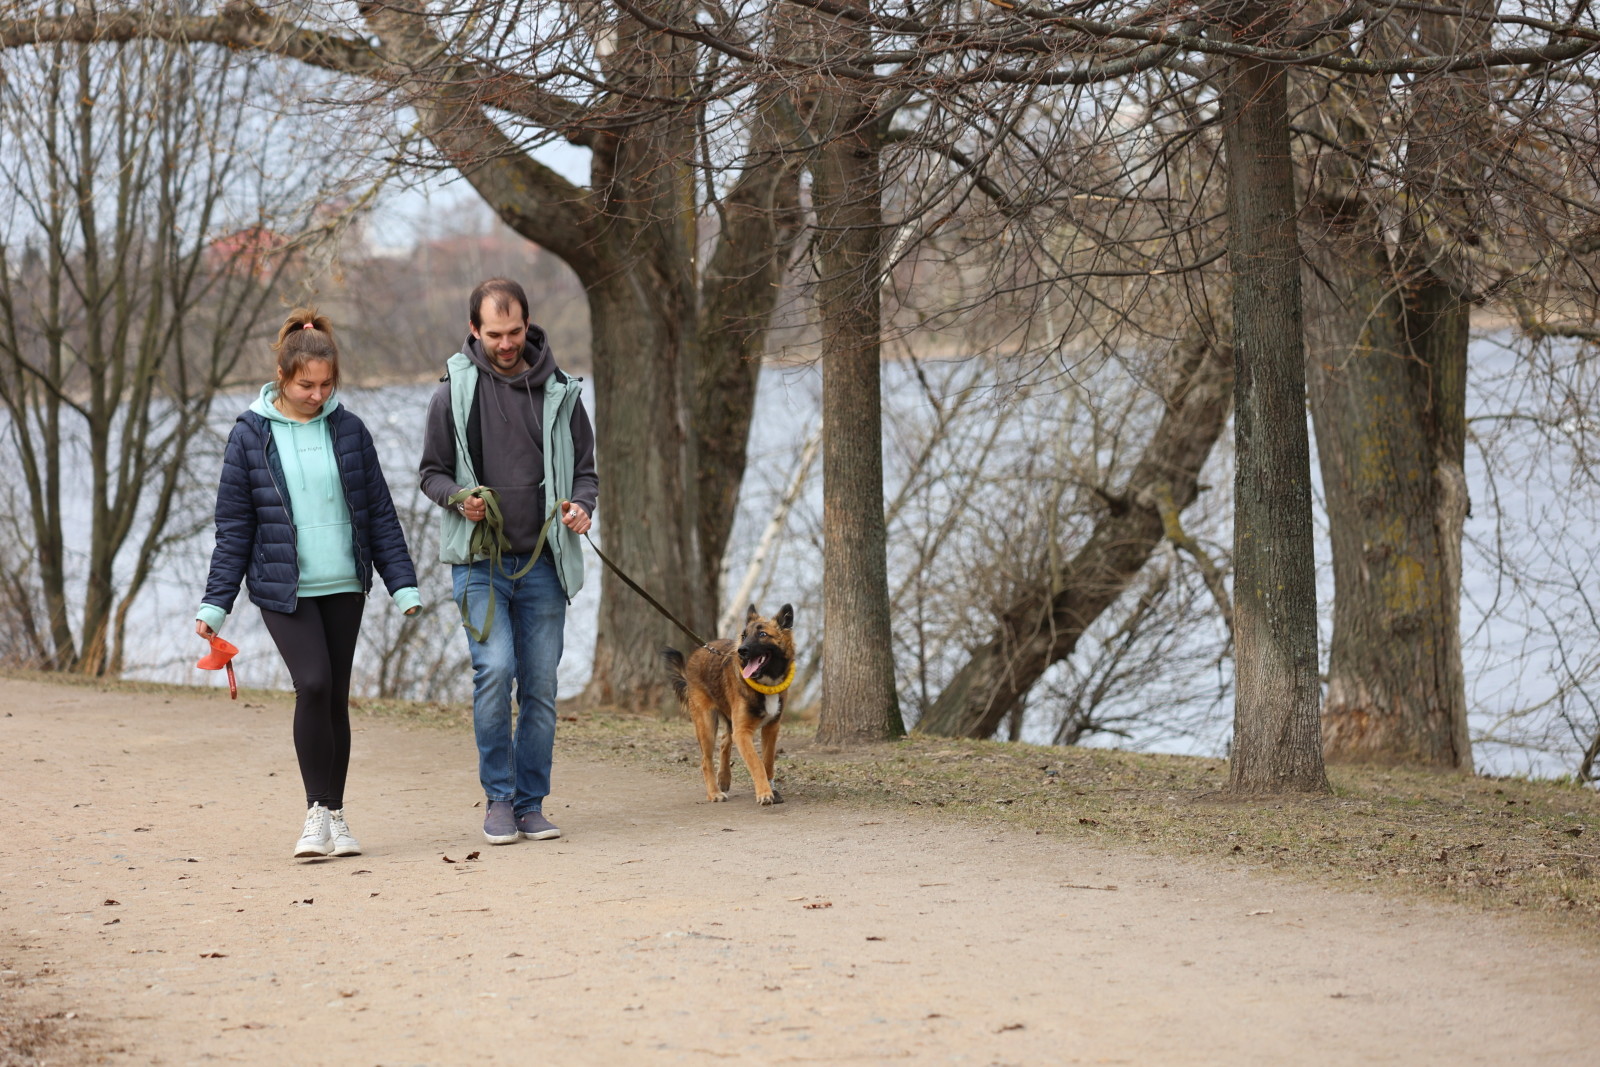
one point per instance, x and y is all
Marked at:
(255, 526)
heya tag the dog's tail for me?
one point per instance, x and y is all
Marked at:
(674, 661)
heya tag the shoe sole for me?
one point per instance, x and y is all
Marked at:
(502, 840)
(543, 835)
(312, 853)
(345, 852)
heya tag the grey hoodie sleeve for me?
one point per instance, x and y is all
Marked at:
(438, 466)
(585, 483)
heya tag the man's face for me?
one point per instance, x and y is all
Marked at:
(501, 335)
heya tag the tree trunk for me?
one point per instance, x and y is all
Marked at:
(1277, 744)
(1387, 378)
(859, 700)
(1387, 375)
(760, 221)
(642, 433)
(1040, 629)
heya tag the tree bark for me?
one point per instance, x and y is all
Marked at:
(859, 699)
(1387, 376)
(1041, 629)
(1277, 744)
(760, 221)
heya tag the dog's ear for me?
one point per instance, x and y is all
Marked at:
(751, 614)
(786, 617)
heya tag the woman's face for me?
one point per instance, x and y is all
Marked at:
(304, 394)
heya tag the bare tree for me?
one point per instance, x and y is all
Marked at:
(151, 211)
(673, 330)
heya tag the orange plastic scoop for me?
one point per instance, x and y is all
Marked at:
(221, 658)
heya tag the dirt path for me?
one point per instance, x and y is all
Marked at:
(146, 888)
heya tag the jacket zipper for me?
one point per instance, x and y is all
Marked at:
(363, 568)
(288, 508)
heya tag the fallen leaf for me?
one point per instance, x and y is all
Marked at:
(1260, 911)
(113, 922)
(361, 872)
(472, 855)
(447, 859)
(1089, 822)
(819, 904)
(348, 992)
(1011, 1026)
(873, 937)
(108, 902)
(213, 955)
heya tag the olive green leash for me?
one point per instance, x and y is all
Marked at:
(489, 540)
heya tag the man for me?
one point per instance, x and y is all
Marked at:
(507, 419)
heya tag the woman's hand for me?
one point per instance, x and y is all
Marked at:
(203, 630)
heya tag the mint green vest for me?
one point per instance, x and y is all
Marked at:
(561, 395)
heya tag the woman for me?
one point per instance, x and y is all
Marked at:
(304, 515)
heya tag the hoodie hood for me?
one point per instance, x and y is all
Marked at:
(541, 362)
(262, 405)
(301, 447)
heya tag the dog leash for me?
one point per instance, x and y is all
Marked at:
(489, 539)
(652, 601)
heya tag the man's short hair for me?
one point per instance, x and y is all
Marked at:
(500, 292)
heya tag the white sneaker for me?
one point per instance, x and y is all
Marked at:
(315, 839)
(344, 842)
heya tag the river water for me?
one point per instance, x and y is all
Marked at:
(1532, 642)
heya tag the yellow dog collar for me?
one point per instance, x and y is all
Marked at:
(769, 690)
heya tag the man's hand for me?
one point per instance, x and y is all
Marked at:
(474, 508)
(574, 517)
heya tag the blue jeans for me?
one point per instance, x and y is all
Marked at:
(523, 645)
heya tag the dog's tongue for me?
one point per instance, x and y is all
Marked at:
(754, 665)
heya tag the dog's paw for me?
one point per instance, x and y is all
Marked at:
(766, 799)
(777, 797)
(717, 798)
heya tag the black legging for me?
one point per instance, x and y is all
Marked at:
(318, 644)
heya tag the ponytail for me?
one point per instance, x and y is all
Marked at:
(304, 336)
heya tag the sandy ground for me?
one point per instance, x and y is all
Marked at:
(146, 888)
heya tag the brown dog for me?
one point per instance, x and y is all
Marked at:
(740, 686)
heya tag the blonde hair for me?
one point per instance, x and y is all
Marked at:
(304, 336)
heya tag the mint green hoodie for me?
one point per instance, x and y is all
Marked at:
(324, 542)
(323, 539)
